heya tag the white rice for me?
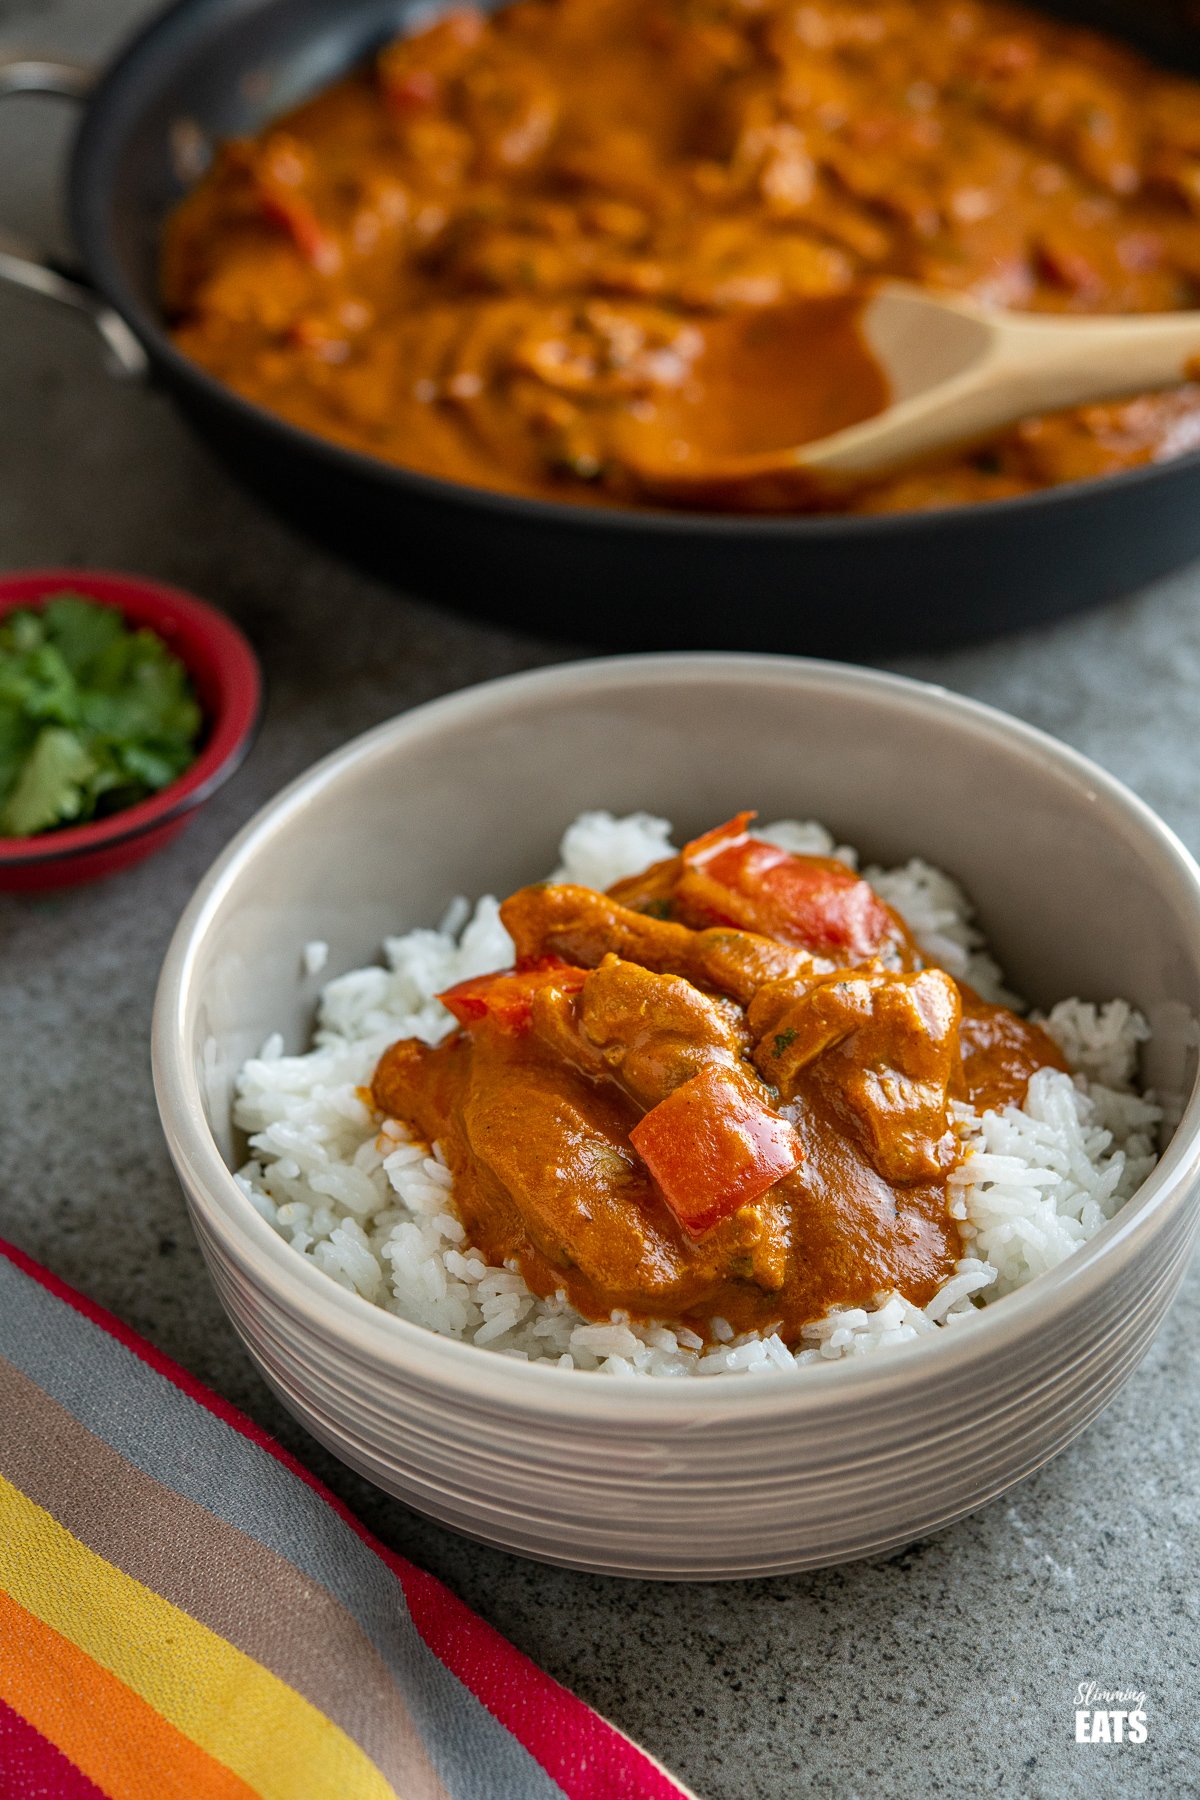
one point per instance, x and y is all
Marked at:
(374, 1210)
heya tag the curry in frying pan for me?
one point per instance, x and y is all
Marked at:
(512, 241)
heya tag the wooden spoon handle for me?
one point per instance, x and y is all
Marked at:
(1031, 365)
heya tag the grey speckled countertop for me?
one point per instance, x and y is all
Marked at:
(948, 1669)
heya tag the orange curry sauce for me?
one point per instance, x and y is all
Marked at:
(722, 1090)
(502, 252)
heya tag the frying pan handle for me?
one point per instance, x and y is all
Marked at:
(22, 265)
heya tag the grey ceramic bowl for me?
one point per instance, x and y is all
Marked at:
(1081, 891)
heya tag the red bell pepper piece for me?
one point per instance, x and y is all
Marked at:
(294, 215)
(411, 91)
(712, 1146)
(731, 878)
(505, 999)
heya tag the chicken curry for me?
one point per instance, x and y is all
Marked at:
(724, 1089)
(514, 244)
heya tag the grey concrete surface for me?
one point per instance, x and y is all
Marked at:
(949, 1669)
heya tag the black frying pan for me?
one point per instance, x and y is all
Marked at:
(207, 69)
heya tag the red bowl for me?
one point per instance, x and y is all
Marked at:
(228, 683)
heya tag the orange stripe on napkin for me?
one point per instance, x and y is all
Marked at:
(99, 1724)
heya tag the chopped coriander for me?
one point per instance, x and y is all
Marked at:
(784, 1039)
(94, 715)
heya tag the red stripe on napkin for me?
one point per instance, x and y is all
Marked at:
(32, 1768)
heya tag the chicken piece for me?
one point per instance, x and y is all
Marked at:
(648, 1033)
(883, 1048)
(651, 890)
(418, 1086)
(584, 927)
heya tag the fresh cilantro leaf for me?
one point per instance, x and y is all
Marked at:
(140, 691)
(22, 631)
(80, 630)
(151, 765)
(48, 688)
(50, 789)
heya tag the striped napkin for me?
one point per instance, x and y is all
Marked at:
(187, 1614)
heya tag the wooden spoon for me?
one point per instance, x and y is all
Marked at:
(955, 371)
